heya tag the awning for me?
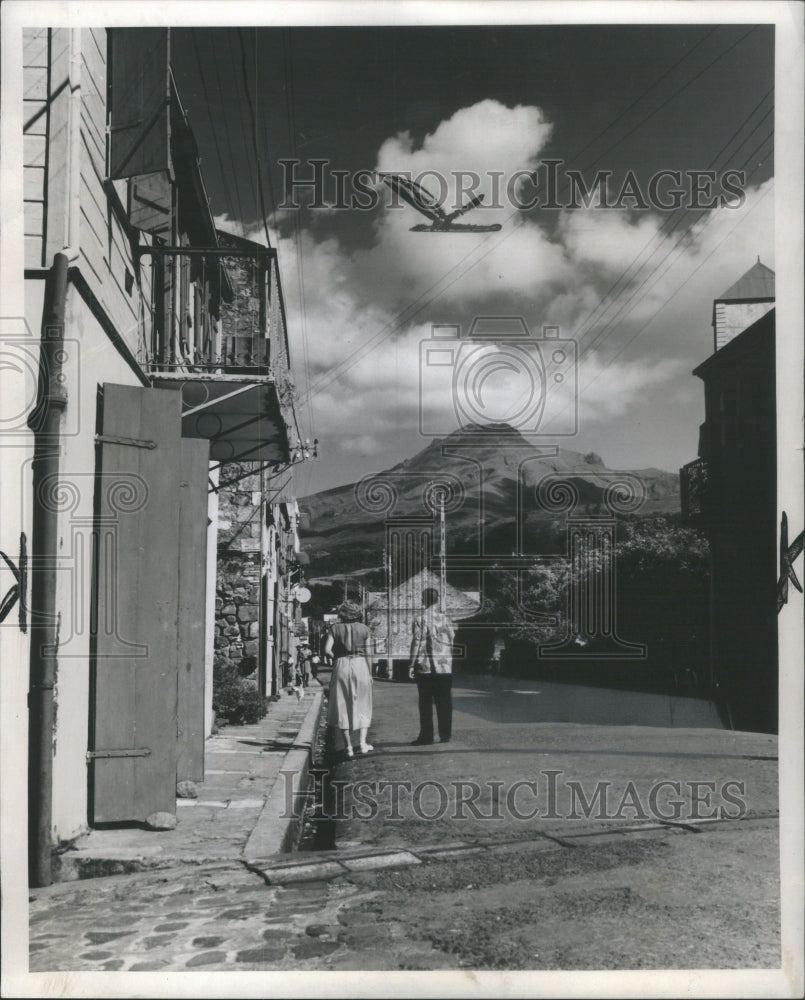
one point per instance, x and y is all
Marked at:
(241, 416)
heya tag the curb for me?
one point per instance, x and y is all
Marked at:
(279, 825)
(279, 871)
(275, 832)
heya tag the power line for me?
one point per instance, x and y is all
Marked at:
(677, 244)
(679, 213)
(642, 121)
(241, 131)
(228, 143)
(410, 312)
(254, 134)
(660, 237)
(208, 104)
(300, 267)
(675, 291)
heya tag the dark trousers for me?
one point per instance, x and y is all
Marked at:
(435, 689)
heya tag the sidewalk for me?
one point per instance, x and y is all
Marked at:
(251, 772)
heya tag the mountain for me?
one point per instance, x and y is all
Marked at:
(345, 535)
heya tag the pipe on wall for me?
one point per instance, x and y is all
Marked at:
(45, 422)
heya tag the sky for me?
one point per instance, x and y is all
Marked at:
(628, 284)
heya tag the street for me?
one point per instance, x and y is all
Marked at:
(436, 884)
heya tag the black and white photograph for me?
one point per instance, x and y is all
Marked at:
(402, 526)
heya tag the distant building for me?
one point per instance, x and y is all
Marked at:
(406, 603)
(751, 297)
(730, 490)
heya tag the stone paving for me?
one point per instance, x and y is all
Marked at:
(431, 896)
(313, 912)
(242, 768)
(214, 918)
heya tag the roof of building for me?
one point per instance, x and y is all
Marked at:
(761, 332)
(757, 283)
(407, 596)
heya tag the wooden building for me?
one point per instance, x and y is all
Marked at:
(133, 408)
(393, 614)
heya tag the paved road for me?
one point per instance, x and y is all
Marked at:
(490, 891)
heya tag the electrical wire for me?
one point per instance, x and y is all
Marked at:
(230, 208)
(300, 267)
(680, 214)
(676, 290)
(677, 244)
(253, 116)
(406, 315)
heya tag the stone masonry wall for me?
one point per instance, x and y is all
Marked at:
(237, 604)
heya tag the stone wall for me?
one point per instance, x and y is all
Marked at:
(237, 603)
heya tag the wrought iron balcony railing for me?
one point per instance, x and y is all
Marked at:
(215, 310)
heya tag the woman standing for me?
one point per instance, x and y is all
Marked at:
(350, 703)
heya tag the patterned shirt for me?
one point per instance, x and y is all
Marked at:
(433, 642)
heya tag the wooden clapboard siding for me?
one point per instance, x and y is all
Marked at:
(34, 46)
(57, 183)
(105, 248)
(35, 49)
(93, 97)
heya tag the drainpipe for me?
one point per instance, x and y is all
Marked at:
(45, 422)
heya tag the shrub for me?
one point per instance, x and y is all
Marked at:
(234, 697)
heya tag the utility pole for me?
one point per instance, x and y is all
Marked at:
(442, 557)
(389, 647)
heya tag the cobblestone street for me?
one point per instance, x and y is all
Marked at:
(459, 906)
(418, 894)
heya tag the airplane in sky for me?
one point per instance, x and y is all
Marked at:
(423, 201)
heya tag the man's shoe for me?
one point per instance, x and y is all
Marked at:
(419, 742)
(445, 739)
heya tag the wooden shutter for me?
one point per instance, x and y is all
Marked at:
(192, 579)
(150, 203)
(139, 72)
(133, 725)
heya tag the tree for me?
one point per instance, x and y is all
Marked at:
(662, 583)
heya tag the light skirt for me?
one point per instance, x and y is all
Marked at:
(350, 703)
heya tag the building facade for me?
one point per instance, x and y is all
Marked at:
(731, 491)
(138, 403)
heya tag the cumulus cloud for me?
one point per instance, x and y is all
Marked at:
(484, 139)
(634, 292)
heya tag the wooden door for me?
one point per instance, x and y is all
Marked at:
(133, 724)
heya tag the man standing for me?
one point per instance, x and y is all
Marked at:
(431, 662)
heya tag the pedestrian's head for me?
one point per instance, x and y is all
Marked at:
(349, 612)
(430, 596)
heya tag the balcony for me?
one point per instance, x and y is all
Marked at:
(694, 494)
(217, 333)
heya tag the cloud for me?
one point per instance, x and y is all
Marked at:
(633, 291)
(483, 139)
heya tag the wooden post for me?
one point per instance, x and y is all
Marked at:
(442, 557)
